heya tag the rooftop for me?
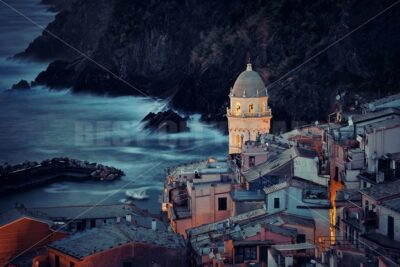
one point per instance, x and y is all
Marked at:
(249, 84)
(296, 220)
(384, 190)
(275, 187)
(83, 212)
(272, 164)
(297, 246)
(95, 240)
(385, 124)
(241, 228)
(389, 101)
(209, 166)
(295, 182)
(16, 214)
(393, 204)
(281, 230)
(305, 153)
(238, 229)
(238, 219)
(190, 167)
(375, 115)
(247, 195)
(346, 195)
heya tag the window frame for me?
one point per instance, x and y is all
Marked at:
(277, 203)
(222, 204)
(245, 253)
(251, 108)
(252, 161)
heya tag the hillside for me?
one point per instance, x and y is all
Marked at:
(194, 50)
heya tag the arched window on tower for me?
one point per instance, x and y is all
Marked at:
(238, 108)
(262, 110)
(251, 108)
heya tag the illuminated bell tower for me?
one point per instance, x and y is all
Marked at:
(249, 114)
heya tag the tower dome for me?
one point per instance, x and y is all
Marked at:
(249, 84)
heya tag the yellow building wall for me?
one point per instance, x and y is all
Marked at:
(253, 117)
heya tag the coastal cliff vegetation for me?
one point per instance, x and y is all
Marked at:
(193, 50)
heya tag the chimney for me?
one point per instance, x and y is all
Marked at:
(154, 225)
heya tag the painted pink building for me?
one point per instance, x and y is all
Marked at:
(198, 193)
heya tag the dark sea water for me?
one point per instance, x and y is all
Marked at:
(42, 124)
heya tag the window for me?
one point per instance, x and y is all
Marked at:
(92, 223)
(276, 203)
(237, 107)
(250, 253)
(251, 108)
(364, 184)
(239, 255)
(390, 227)
(301, 238)
(57, 261)
(245, 253)
(252, 161)
(222, 205)
(71, 264)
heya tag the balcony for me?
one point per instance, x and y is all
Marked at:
(232, 113)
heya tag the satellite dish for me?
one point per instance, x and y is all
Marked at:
(338, 97)
(316, 159)
(316, 123)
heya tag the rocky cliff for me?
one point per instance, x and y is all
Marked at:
(194, 50)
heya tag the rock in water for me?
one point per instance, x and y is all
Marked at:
(22, 85)
(165, 121)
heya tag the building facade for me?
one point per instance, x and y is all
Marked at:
(198, 193)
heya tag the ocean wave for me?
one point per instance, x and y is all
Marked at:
(138, 194)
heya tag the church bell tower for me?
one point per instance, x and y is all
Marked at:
(249, 114)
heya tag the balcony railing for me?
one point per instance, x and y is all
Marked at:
(232, 113)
